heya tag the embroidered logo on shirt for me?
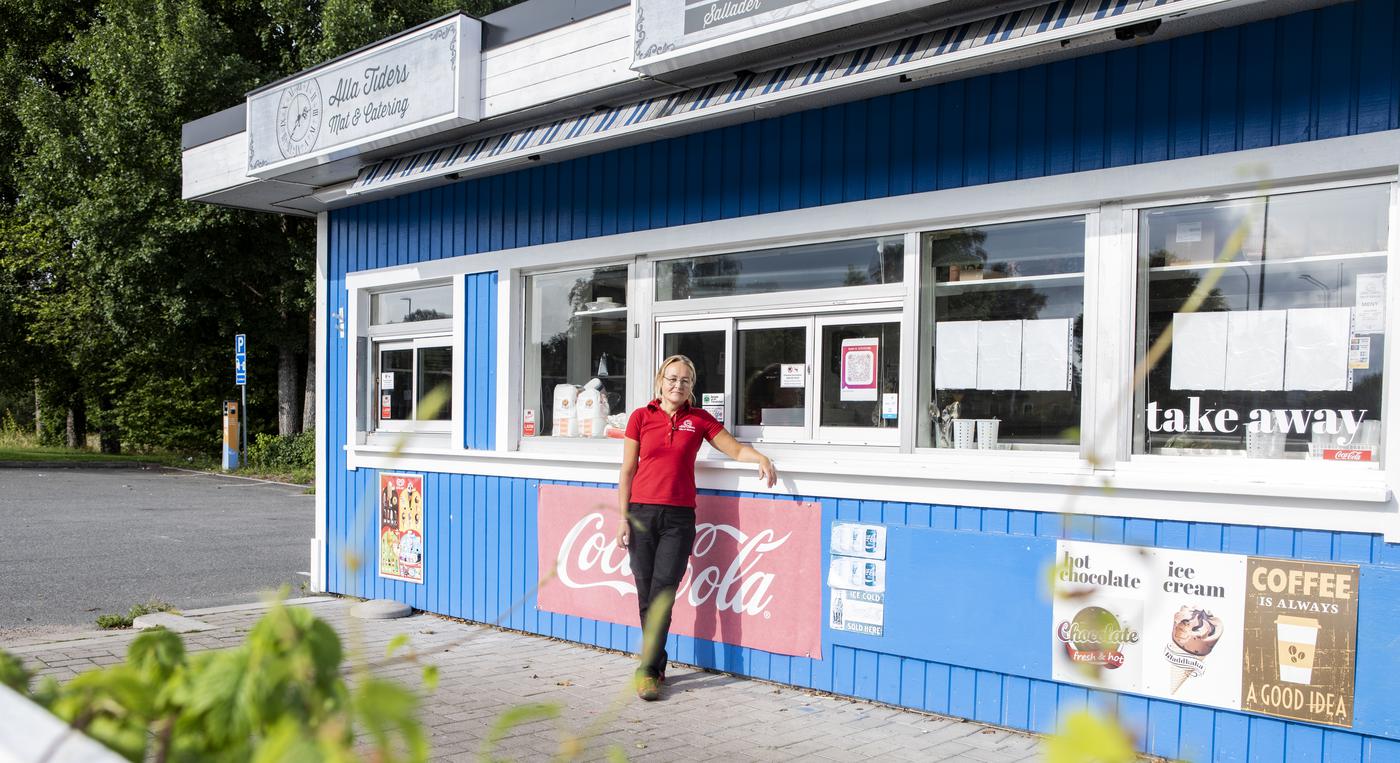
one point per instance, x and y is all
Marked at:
(686, 426)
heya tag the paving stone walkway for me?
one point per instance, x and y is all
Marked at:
(484, 671)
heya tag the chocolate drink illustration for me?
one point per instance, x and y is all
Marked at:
(1195, 633)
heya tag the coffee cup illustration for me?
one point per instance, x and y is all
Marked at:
(1297, 648)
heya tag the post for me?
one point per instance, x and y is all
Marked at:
(243, 428)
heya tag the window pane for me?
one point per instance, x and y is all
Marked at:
(792, 268)
(706, 350)
(1282, 358)
(435, 376)
(767, 395)
(860, 368)
(395, 396)
(1000, 363)
(576, 331)
(430, 304)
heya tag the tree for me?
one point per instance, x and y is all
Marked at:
(127, 294)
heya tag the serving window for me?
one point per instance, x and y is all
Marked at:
(408, 368)
(576, 351)
(1273, 308)
(1002, 336)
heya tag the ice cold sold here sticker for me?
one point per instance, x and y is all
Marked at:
(1265, 635)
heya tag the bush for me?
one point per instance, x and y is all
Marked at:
(289, 453)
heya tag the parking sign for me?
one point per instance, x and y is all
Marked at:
(240, 359)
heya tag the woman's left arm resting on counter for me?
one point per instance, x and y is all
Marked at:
(725, 443)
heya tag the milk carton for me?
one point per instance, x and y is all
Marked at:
(565, 410)
(592, 410)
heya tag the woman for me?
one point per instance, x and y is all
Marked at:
(656, 494)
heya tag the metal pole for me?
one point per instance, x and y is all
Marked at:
(243, 430)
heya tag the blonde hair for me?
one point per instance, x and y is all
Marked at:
(660, 375)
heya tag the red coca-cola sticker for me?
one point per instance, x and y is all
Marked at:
(754, 577)
(1346, 455)
(527, 428)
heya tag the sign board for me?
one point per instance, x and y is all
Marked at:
(670, 35)
(401, 527)
(240, 359)
(424, 81)
(754, 577)
(1271, 636)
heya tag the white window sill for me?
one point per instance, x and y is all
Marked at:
(807, 471)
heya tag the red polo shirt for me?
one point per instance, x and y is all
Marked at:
(666, 456)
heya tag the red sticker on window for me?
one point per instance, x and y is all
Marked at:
(1346, 455)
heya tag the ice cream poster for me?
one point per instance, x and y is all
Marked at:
(401, 527)
(1300, 640)
(1194, 632)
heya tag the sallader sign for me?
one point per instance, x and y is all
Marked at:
(754, 577)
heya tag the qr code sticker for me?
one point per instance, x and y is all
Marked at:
(860, 368)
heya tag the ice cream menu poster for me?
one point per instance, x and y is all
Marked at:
(1203, 628)
(401, 527)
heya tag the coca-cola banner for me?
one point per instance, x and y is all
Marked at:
(754, 578)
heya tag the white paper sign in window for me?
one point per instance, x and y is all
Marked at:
(955, 355)
(1317, 346)
(999, 355)
(1045, 354)
(1198, 350)
(1255, 341)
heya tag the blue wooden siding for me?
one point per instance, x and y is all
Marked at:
(1308, 76)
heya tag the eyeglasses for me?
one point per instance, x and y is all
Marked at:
(676, 381)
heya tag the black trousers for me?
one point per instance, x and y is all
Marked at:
(659, 550)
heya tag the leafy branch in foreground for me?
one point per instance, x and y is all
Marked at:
(280, 695)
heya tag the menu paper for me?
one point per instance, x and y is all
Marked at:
(999, 355)
(1045, 354)
(1370, 303)
(1198, 350)
(1254, 344)
(955, 355)
(1317, 346)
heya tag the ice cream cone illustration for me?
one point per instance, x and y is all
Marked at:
(1195, 633)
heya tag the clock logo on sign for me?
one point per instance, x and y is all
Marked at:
(299, 118)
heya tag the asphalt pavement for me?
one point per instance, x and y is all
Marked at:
(78, 543)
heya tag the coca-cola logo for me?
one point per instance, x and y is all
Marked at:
(590, 558)
(754, 576)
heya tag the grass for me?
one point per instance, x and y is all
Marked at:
(35, 453)
(117, 621)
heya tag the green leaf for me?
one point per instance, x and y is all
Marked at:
(395, 644)
(430, 678)
(1088, 738)
(516, 716)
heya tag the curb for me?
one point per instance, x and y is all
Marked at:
(79, 465)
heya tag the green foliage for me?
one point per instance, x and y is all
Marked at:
(111, 622)
(1088, 738)
(282, 453)
(278, 696)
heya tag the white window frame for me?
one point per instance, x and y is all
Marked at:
(363, 426)
(528, 368)
(675, 326)
(889, 437)
(413, 344)
(1160, 466)
(1079, 458)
